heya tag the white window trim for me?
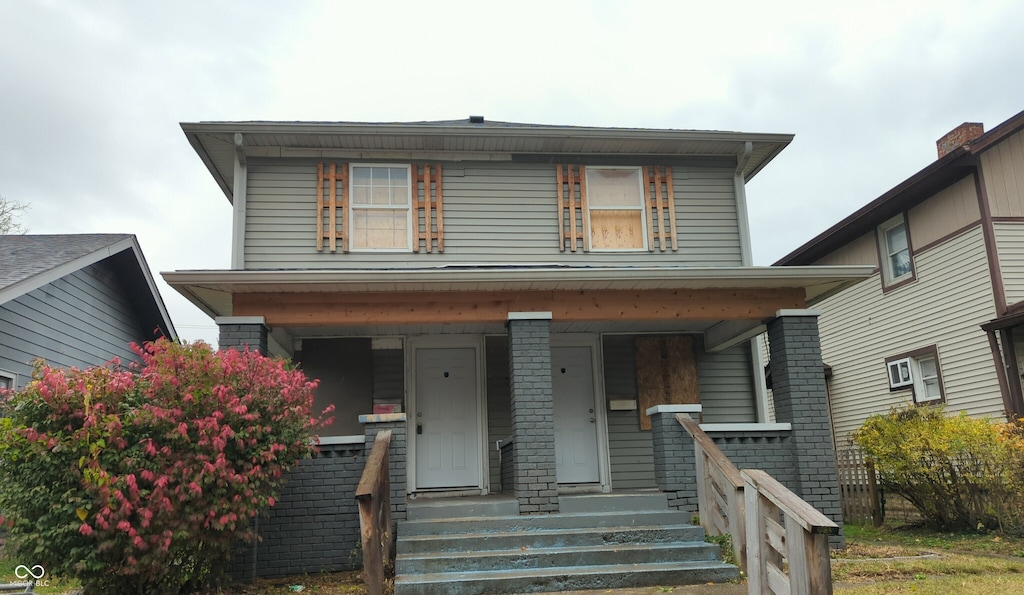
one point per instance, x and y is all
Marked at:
(885, 252)
(11, 376)
(408, 208)
(642, 207)
(920, 390)
(899, 366)
(915, 379)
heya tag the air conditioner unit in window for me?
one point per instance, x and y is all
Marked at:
(899, 373)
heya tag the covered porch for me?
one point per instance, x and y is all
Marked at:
(533, 382)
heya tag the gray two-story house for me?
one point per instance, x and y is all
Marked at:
(521, 301)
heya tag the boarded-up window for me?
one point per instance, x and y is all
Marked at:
(615, 208)
(666, 373)
(379, 207)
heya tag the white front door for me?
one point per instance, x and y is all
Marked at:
(446, 424)
(572, 387)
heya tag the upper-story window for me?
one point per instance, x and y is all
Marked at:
(380, 205)
(897, 255)
(616, 209)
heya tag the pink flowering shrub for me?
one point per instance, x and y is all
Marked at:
(142, 480)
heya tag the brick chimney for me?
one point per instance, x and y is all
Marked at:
(959, 136)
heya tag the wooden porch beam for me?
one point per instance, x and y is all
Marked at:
(426, 307)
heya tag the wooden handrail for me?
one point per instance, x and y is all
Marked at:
(720, 502)
(374, 497)
(782, 526)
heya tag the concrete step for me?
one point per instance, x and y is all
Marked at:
(516, 523)
(600, 503)
(569, 578)
(448, 508)
(558, 537)
(555, 557)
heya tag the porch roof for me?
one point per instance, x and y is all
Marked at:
(213, 290)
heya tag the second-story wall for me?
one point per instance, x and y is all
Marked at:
(1003, 167)
(944, 308)
(494, 213)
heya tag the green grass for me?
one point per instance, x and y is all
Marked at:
(981, 543)
(998, 584)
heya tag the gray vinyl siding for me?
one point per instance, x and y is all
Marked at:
(727, 396)
(944, 307)
(630, 450)
(1010, 247)
(81, 320)
(499, 403)
(726, 386)
(494, 213)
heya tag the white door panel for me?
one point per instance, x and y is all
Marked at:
(572, 385)
(446, 424)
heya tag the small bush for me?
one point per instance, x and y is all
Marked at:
(959, 472)
(141, 480)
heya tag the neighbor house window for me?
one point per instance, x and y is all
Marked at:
(380, 208)
(7, 380)
(616, 209)
(895, 249)
(919, 372)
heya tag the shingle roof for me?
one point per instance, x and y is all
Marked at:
(25, 256)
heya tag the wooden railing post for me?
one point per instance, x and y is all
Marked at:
(374, 498)
(782, 526)
(720, 503)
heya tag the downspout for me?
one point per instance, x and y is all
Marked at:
(238, 194)
(997, 359)
(747, 259)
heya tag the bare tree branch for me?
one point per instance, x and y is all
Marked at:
(9, 223)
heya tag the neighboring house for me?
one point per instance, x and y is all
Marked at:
(940, 319)
(74, 300)
(482, 285)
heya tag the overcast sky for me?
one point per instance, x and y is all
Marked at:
(92, 93)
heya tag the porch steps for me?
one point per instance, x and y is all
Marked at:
(596, 542)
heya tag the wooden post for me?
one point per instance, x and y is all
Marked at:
(374, 498)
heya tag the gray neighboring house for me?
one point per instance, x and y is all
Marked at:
(74, 300)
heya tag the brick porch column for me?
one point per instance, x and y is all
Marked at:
(675, 471)
(798, 384)
(240, 331)
(533, 414)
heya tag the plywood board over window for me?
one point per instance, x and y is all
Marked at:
(666, 373)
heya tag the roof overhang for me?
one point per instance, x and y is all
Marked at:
(942, 173)
(139, 284)
(212, 290)
(215, 142)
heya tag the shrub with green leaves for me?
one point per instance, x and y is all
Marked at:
(959, 472)
(141, 480)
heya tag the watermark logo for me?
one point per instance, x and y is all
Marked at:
(36, 571)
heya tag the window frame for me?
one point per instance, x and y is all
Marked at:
(918, 383)
(641, 207)
(11, 378)
(889, 279)
(353, 207)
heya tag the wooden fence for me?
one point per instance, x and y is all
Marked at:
(374, 497)
(858, 485)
